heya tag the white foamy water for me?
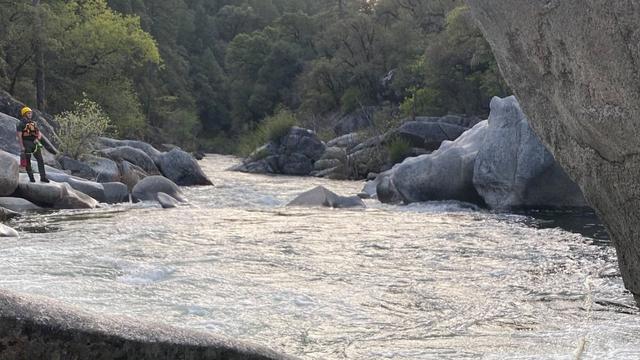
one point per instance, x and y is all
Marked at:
(426, 281)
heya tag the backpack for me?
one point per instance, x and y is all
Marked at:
(30, 130)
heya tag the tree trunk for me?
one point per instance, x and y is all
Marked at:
(39, 57)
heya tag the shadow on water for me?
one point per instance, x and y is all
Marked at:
(583, 221)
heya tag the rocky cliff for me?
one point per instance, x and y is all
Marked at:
(575, 66)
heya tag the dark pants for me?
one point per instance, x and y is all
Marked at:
(30, 148)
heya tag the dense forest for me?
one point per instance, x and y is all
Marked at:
(203, 73)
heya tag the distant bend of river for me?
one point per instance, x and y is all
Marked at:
(424, 281)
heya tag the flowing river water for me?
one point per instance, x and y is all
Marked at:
(425, 281)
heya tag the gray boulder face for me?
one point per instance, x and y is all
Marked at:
(181, 168)
(132, 155)
(130, 174)
(8, 140)
(54, 195)
(39, 328)
(18, 204)
(321, 196)
(106, 170)
(167, 201)
(6, 231)
(429, 135)
(445, 174)
(293, 154)
(77, 168)
(148, 149)
(9, 174)
(575, 66)
(148, 188)
(115, 192)
(93, 189)
(514, 170)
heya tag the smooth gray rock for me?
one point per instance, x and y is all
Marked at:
(446, 174)
(6, 231)
(18, 204)
(115, 192)
(77, 168)
(148, 149)
(9, 173)
(54, 195)
(8, 140)
(347, 141)
(106, 170)
(148, 188)
(321, 196)
(514, 170)
(130, 174)
(429, 135)
(132, 155)
(182, 168)
(33, 327)
(575, 66)
(93, 189)
(167, 201)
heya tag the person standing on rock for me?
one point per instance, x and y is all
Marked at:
(29, 138)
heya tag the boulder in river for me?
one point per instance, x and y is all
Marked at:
(106, 170)
(321, 196)
(445, 174)
(148, 149)
(166, 201)
(54, 195)
(93, 189)
(132, 155)
(148, 188)
(181, 168)
(115, 192)
(514, 170)
(6, 231)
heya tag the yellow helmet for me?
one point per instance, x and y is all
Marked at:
(24, 111)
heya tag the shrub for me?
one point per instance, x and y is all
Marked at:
(399, 149)
(273, 128)
(81, 127)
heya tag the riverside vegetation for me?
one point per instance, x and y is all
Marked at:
(202, 74)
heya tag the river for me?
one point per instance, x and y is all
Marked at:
(426, 281)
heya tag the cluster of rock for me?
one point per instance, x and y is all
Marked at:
(351, 156)
(499, 163)
(119, 170)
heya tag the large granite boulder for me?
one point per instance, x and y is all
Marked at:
(148, 188)
(293, 154)
(9, 173)
(77, 168)
(181, 168)
(106, 170)
(132, 155)
(575, 66)
(446, 174)
(514, 170)
(93, 189)
(167, 201)
(8, 140)
(148, 149)
(54, 195)
(321, 196)
(115, 192)
(33, 327)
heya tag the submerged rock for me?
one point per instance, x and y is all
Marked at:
(148, 188)
(181, 168)
(167, 201)
(321, 196)
(6, 231)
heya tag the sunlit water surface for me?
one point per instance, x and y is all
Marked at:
(426, 281)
